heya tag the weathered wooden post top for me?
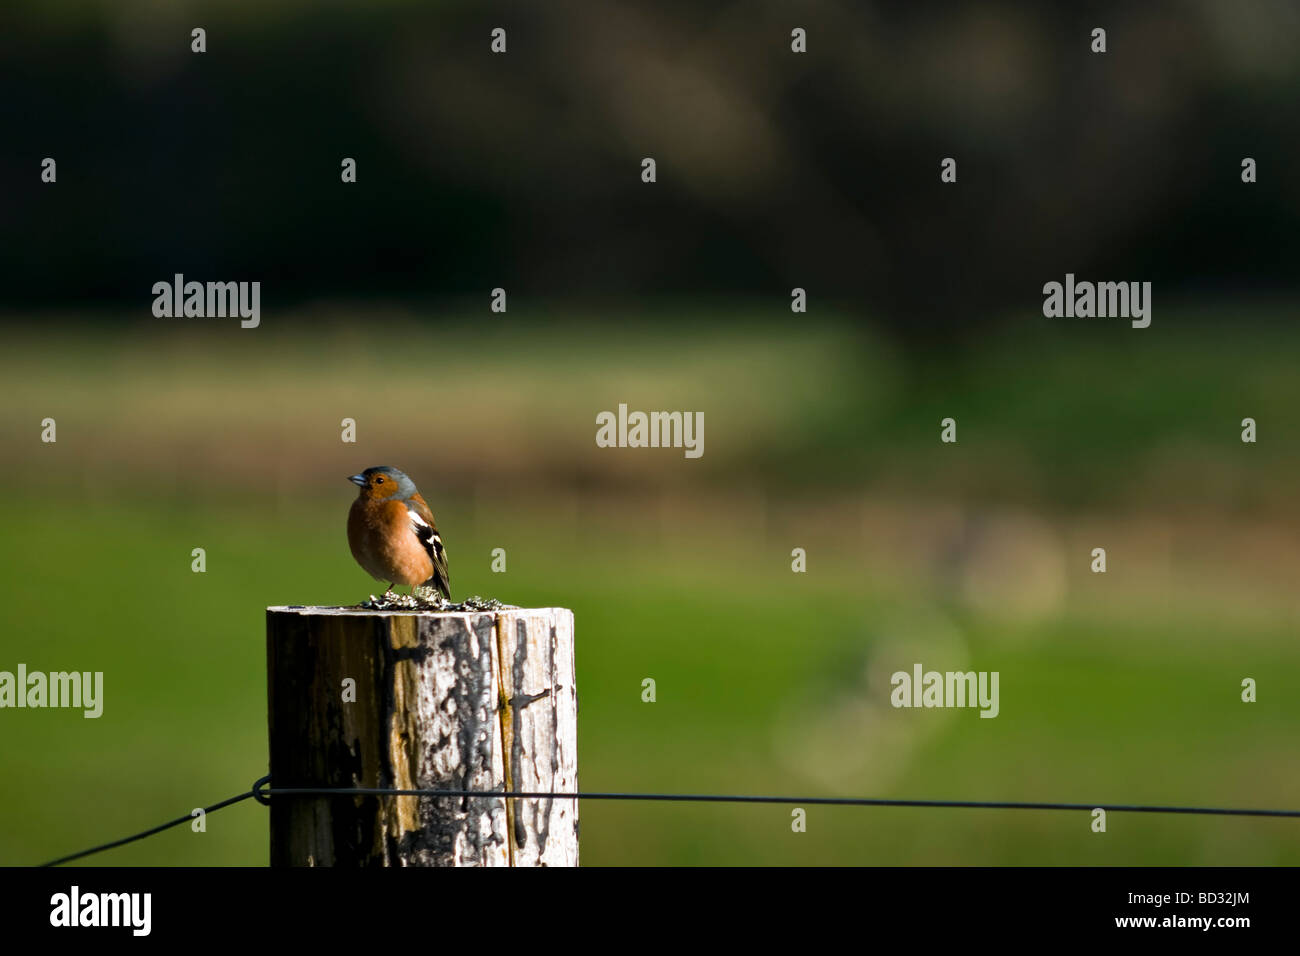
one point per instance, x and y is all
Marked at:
(474, 700)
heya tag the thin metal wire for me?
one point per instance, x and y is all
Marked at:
(151, 831)
(262, 793)
(747, 798)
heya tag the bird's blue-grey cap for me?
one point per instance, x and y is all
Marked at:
(405, 486)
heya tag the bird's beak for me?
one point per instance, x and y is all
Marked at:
(358, 480)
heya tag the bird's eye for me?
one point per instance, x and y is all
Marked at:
(379, 480)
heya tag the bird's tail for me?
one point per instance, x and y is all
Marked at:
(440, 579)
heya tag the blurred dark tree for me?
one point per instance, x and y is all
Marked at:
(774, 169)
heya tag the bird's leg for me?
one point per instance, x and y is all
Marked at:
(390, 593)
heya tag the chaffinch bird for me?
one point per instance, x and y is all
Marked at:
(392, 534)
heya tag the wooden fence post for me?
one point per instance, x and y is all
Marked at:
(475, 700)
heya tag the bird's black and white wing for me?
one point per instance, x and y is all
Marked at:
(427, 532)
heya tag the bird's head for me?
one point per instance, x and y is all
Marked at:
(383, 482)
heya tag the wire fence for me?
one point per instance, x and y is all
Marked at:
(262, 792)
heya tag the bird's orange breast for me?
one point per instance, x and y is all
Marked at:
(383, 542)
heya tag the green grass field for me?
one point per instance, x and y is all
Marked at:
(1121, 687)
